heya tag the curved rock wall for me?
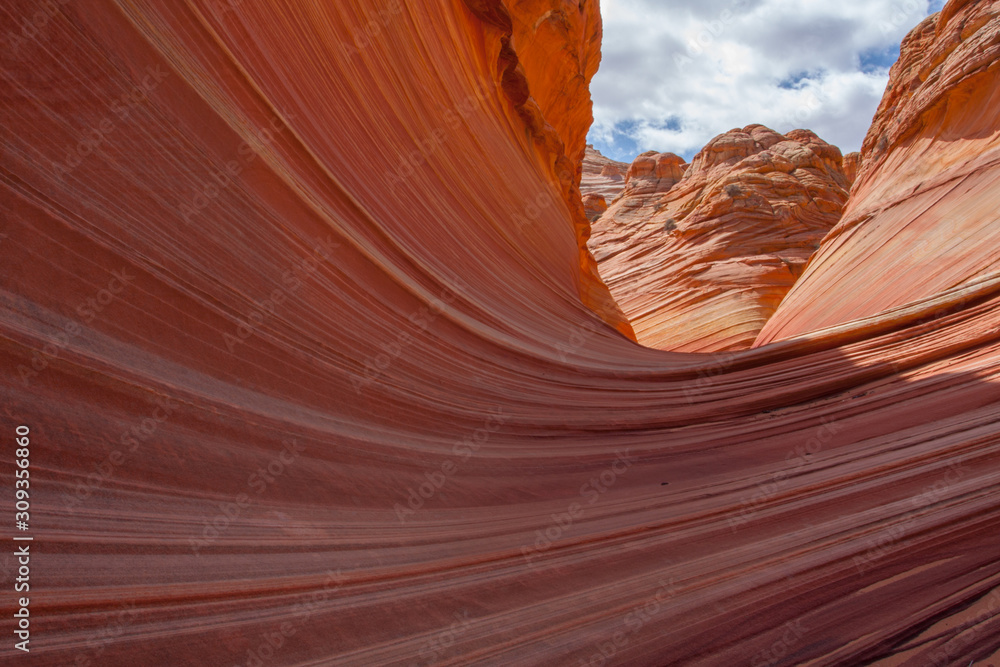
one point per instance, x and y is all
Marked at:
(292, 304)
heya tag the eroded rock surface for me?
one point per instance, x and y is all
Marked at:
(923, 213)
(594, 205)
(699, 256)
(602, 176)
(294, 307)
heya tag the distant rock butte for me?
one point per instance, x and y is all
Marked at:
(699, 256)
(922, 216)
(594, 205)
(653, 172)
(601, 175)
(852, 162)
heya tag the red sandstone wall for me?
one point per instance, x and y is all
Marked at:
(308, 378)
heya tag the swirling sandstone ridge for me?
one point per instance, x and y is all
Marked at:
(296, 303)
(922, 215)
(699, 256)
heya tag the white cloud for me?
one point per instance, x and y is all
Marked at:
(675, 73)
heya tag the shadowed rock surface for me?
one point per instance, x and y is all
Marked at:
(296, 304)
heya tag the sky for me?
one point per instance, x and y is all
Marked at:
(676, 73)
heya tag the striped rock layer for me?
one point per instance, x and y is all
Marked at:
(602, 176)
(922, 217)
(296, 307)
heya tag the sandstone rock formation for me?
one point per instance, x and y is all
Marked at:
(302, 388)
(699, 256)
(594, 205)
(653, 172)
(922, 216)
(547, 51)
(602, 176)
(852, 162)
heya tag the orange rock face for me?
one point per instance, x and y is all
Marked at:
(546, 52)
(295, 315)
(610, 171)
(852, 162)
(594, 205)
(922, 215)
(558, 44)
(602, 176)
(699, 256)
(653, 172)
